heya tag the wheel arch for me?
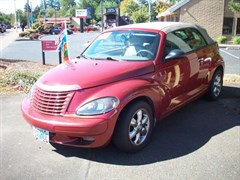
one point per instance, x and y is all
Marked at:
(146, 99)
(219, 67)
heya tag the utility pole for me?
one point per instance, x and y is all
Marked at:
(44, 12)
(15, 23)
(102, 14)
(28, 13)
(31, 16)
(149, 10)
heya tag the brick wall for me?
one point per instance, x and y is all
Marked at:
(206, 13)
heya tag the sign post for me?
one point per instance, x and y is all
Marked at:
(49, 46)
(81, 13)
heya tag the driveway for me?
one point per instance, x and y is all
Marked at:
(200, 141)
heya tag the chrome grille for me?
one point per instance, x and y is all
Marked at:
(51, 102)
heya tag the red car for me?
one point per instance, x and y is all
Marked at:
(125, 81)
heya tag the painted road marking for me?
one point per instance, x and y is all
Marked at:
(230, 54)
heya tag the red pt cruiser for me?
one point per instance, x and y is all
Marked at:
(128, 78)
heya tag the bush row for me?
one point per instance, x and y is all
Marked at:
(223, 39)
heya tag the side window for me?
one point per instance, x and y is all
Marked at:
(176, 40)
(185, 40)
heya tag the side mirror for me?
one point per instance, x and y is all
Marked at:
(175, 53)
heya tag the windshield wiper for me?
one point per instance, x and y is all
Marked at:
(110, 58)
(83, 56)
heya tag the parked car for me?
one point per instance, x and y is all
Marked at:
(2, 28)
(126, 80)
(57, 30)
(8, 26)
(91, 28)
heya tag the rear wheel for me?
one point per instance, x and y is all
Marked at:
(215, 87)
(134, 127)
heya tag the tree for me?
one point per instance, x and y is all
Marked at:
(66, 4)
(54, 4)
(140, 16)
(50, 12)
(36, 11)
(21, 16)
(27, 8)
(234, 5)
(6, 18)
(127, 7)
(161, 6)
(67, 8)
(142, 2)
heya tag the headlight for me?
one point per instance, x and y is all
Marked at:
(99, 106)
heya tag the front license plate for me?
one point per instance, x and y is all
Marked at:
(41, 134)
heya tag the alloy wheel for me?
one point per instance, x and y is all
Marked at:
(139, 127)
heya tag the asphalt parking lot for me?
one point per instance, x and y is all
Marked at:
(231, 57)
(200, 141)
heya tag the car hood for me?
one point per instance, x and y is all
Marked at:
(81, 74)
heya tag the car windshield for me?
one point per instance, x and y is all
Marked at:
(124, 45)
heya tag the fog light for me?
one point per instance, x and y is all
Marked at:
(89, 139)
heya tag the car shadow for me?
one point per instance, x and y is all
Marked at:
(181, 133)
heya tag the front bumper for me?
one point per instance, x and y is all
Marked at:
(73, 130)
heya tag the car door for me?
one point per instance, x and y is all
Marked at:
(204, 53)
(179, 74)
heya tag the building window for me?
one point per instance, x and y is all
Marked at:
(228, 25)
(177, 18)
(238, 26)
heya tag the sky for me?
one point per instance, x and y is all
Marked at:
(7, 6)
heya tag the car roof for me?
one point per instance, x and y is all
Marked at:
(167, 27)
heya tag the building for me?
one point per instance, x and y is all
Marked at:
(213, 15)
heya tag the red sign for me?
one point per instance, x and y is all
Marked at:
(49, 45)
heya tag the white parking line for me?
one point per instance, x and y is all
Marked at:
(230, 54)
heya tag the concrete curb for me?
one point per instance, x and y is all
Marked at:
(229, 46)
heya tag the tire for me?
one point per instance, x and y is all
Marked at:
(216, 84)
(134, 127)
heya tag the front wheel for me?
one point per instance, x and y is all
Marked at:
(134, 127)
(216, 83)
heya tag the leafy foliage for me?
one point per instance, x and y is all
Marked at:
(6, 18)
(27, 8)
(54, 4)
(222, 39)
(236, 40)
(128, 7)
(140, 16)
(161, 6)
(234, 5)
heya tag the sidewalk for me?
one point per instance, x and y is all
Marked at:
(229, 46)
(8, 37)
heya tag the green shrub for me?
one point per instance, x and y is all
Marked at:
(31, 30)
(37, 25)
(222, 39)
(236, 40)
